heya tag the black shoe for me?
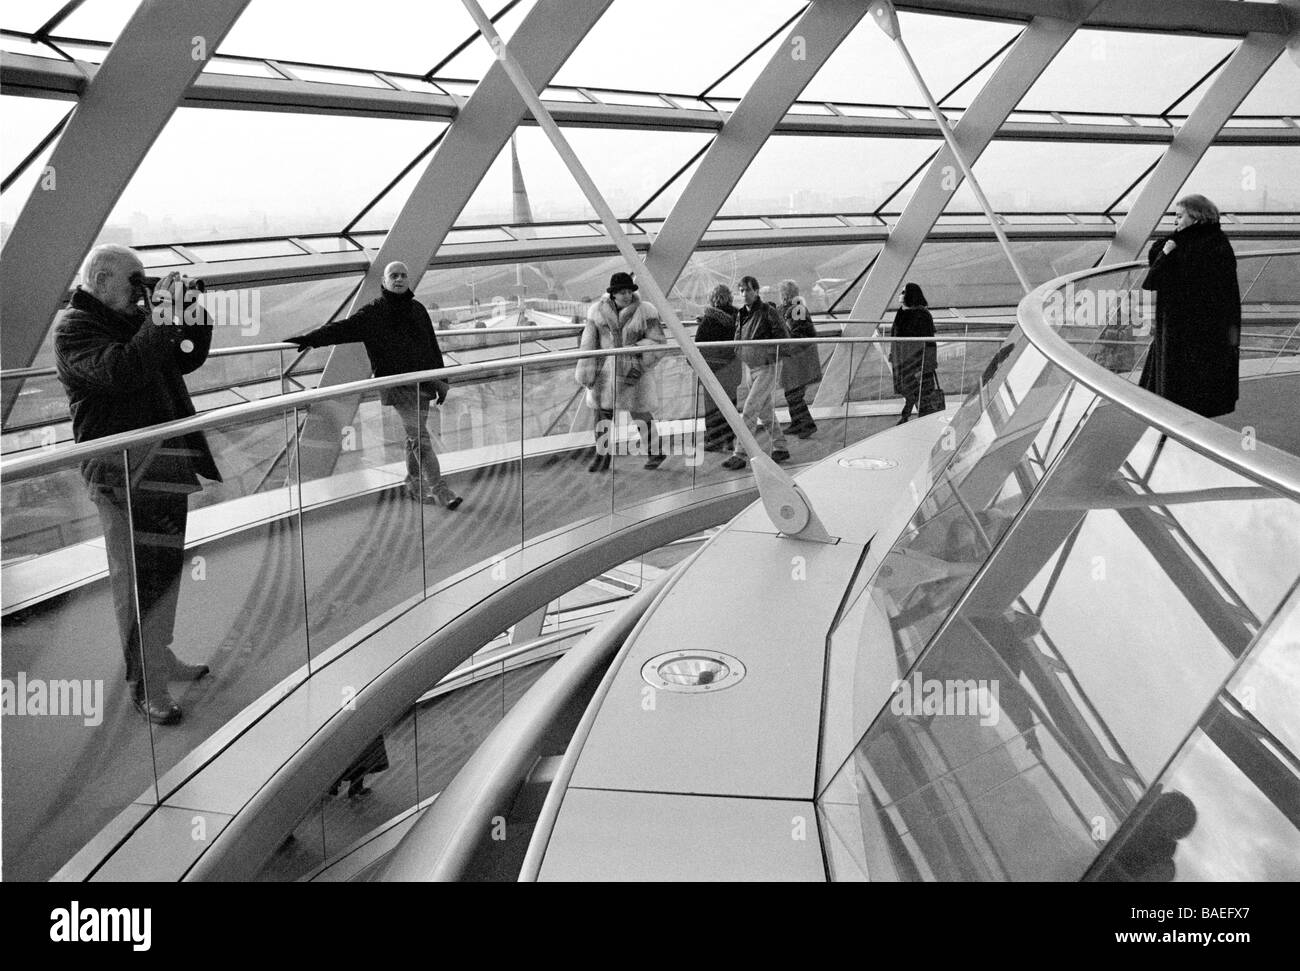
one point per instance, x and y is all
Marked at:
(808, 431)
(780, 455)
(358, 789)
(716, 447)
(794, 428)
(654, 461)
(734, 463)
(903, 419)
(187, 672)
(160, 709)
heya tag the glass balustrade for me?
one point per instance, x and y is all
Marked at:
(1057, 668)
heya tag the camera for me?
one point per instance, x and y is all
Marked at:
(150, 282)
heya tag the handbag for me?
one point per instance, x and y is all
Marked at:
(929, 400)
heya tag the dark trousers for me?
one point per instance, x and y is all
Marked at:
(652, 444)
(413, 408)
(800, 416)
(717, 433)
(158, 551)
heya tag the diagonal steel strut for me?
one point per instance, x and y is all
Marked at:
(786, 505)
(883, 13)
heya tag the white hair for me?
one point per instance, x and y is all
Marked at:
(101, 258)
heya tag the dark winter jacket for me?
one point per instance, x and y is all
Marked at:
(1194, 347)
(398, 336)
(800, 366)
(762, 322)
(123, 372)
(719, 324)
(913, 362)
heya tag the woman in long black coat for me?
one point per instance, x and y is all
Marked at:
(914, 364)
(1194, 347)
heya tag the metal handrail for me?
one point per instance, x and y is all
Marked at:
(275, 347)
(236, 414)
(442, 843)
(1264, 464)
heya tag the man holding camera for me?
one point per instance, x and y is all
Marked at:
(122, 351)
(399, 338)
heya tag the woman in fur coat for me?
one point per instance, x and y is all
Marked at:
(626, 382)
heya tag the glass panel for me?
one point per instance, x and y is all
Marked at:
(1110, 70)
(452, 725)
(477, 437)
(228, 65)
(978, 274)
(1226, 809)
(564, 482)
(1053, 176)
(1277, 91)
(867, 67)
(377, 785)
(251, 250)
(331, 76)
(1258, 178)
(268, 28)
(76, 753)
(361, 531)
(720, 34)
(289, 174)
(98, 19)
(28, 17)
(627, 98)
(626, 165)
(807, 174)
(565, 94)
(302, 851)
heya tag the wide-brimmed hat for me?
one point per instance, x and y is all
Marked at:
(620, 281)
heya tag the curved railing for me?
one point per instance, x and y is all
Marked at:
(1102, 586)
(309, 546)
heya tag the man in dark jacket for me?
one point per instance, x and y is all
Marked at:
(758, 320)
(399, 338)
(122, 366)
(1194, 347)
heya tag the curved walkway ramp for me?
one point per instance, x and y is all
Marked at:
(1053, 641)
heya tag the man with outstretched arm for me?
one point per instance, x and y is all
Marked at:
(399, 338)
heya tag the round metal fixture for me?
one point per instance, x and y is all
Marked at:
(693, 672)
(869, 465)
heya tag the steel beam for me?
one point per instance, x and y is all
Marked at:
(1218, 17)
(165, 42)
(794, 63)
(1226, 93)
(23, 75)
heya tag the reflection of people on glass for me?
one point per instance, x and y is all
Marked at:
(718, 323)
(122, 365)
(914, 364)
(370, 762)
(1194, 346)
(1146, 854)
